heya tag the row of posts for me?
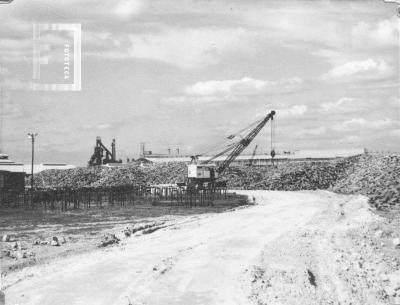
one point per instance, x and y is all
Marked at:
(73, 199)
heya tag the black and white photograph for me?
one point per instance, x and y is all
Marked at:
(200, 152)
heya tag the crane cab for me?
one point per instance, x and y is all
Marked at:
(202, 171)
(202, 175)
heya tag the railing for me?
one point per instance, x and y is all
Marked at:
(86, 198)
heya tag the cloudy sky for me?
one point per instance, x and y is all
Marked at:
(187, 73)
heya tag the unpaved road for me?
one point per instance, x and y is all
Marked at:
(292, 248)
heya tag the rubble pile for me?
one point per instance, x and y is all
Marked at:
(109, 239)
(111, 176)
(376, 176)
(71, 178)
(292, 176)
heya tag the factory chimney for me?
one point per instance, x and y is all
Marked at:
(113, 154)
(142, 148)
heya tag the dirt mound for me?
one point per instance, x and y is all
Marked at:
(94, 177)
(293, 176)
(376, 176)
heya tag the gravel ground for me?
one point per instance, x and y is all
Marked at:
(293, 248)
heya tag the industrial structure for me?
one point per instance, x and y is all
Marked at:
(263, 159)
(12, 181)
(12, 176)
(102, 155)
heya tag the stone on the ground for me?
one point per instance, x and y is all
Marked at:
(8, 238)
(396, 243)
(390, 291)
(20, 255)
(127, 232)
(54, 241)
(109, 239)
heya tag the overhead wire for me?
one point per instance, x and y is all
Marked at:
(228, 142)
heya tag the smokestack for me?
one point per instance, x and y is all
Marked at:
(113, 154)
(142, 149)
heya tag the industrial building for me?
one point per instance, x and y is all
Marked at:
(12, 175)
(12, 181)
(261, 159)
(8, 165)
(37, 168)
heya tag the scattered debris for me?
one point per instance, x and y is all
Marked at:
(151, 230)
(8, 238)
(396, 243)
(109, 239)
(311, 278)
(55, 241)
(127, 232)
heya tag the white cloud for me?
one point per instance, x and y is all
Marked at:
(16, 84)
(233, 90)
(127, 8)
(11, 111)
(343, 105)
(313, 131)
(363, 124)
(384, 33)
(369, 69)
(184, 99)
(182, 47)
(351, 139)
(96, 127)
(294, 111)
(4, 71)
(244, 86)
(328, 107)
(395, 132)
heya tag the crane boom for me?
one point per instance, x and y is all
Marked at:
(244, 143)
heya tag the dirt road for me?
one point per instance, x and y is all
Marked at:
(292, 248)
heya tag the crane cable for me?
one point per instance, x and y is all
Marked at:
(244, 129)
(228, 143)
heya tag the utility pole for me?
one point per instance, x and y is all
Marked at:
(1, 117)
(32, 136)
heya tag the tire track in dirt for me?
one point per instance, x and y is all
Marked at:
(329, 261)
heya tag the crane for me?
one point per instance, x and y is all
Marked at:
(206, 173)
